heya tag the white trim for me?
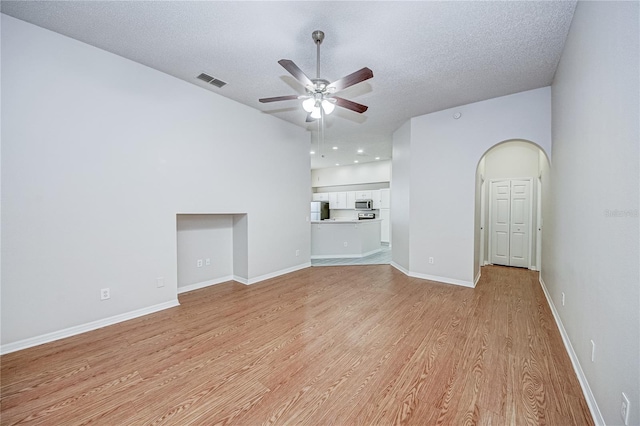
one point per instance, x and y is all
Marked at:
(539, 224)
(83, 328)
(241, 280)
(444, 280)
(584, 383)
(475, 282)
(399, 268)
(272, 274)
(203, 284)
(483, 218)
(346, 256)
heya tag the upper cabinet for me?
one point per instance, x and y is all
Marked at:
(351, 200)
(363, 195)
(375, 196)
(385, 198)
(338, 200)
(320, 196)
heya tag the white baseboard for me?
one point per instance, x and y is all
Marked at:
(83, 328)
(475, 282)
(271, 274)
(444, 280)
(203, 284)
(584, 384)
(399, 268)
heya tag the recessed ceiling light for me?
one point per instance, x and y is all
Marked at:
(312, 152)
(360, 151)
(377, 158)
(335, 147)
(337, 164)
(355, 161)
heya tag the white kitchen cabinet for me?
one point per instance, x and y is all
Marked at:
(385, 225)
(363, 195)
(320, 196)
(351, 200)
(375, 196)
(337, 200)
(385, 198)
(333, 200)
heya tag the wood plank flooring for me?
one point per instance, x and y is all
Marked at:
(348, 345)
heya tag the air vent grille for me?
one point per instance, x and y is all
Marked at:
(211, 80)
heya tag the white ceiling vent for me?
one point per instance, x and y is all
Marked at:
(211, 80)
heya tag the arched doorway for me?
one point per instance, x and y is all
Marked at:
(509, 235)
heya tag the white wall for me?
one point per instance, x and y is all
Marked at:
(400, 201)
(514, 159)
(444, 154)
(375, 171)
(99, 154)
(591, 225)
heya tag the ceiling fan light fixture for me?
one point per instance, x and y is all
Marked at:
(316, 113)
(309, 104)
(328, 107)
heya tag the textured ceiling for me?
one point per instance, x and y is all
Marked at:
(425, 56)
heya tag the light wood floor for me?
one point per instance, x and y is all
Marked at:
(352, 345)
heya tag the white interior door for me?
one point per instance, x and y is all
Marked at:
(510, 222)
(520, 226)
(500, 212)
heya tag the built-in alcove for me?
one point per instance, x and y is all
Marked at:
(219, 241)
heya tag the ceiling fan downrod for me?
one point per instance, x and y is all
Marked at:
(317, 37)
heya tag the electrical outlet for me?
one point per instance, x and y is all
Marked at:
(431, 260)
(345, 244)
(199, 263)
(207, 261)
(297, 252)
(624, 409)
(160, 282)
(105, 294)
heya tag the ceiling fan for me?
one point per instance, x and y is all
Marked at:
(320, 98)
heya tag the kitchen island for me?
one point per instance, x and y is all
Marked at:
(344, 239)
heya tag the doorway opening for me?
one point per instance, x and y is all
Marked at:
(508, 224)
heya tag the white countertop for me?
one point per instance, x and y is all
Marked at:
(346, 221)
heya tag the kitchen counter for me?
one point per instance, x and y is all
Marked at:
(345, 221)
(344, 238)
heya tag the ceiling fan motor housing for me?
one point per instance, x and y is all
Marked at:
(317, 36)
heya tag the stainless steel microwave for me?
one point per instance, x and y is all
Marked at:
(364, 204)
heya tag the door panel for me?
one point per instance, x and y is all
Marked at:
(519, 243)
(510, 221)
(500, 196)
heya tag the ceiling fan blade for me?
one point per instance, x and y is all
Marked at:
(353, 106)
(295, 71)
(278, 98)
(353, 78)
